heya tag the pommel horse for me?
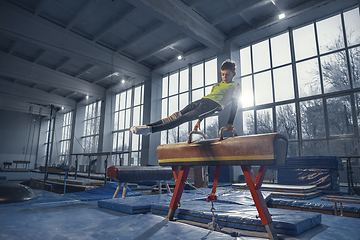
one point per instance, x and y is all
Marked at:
(125, 174)
(246, 151)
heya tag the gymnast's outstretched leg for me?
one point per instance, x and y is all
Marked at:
(197, 110)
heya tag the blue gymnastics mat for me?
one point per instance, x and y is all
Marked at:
(315, 204)
(103, 192)
(84, 221)
(242, 216)
(235, 209)
(142, 204)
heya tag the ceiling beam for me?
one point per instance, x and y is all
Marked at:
(239, 10)
(161, 58)
(71, 94)
(63, 63)
(17, 68)
(54, 38)
(182, 17)
(307, 6)
(13, 47)
(39, 56)
(23, 93)
(188, 58)
(160, 48)
(54, 90)
(106, 76)
(82, 11)
(40, 6)
(196, 3)
(113, 24)
(24, 107)
(84, 70)
(140, 36)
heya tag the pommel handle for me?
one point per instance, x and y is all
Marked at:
(195, 132)
(225, 129)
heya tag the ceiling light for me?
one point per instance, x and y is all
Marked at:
(123, 81)
(114, 74)
(62, 108)
(87, 96)
(273, 1)
(179, 57)
(281, 16)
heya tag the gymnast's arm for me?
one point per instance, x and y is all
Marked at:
(197, 125)
(233, 110)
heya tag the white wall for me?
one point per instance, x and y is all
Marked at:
(155, 115)
(18, 137)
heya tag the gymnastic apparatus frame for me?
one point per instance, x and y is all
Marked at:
(89, 155)
(349, 174)
(253, 182)
(125, 174)
(254, 185)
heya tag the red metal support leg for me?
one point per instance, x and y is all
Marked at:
(175, 171)
(254, 185)
(212, 196)
(260, 176)
(179, 187)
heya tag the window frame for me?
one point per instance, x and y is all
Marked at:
(349, 92)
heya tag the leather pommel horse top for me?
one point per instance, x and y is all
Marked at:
(261, 149)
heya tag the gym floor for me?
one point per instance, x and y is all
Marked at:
(55, 216)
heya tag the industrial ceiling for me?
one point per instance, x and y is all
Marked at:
(59, 52)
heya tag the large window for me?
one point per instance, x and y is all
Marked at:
(65, 137)
(182, 87)
(90, 139)
(48, 143)
(304, 83)
(129, 106)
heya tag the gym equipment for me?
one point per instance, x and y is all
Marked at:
(262, 149)
(14, 193)
(127, 174)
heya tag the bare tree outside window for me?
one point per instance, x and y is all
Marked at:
(286, 120)
(326, 60)
(264, 121)
(248, 122)
(340, 116)
(312, 119)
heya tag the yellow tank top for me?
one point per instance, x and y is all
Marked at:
(222, 93)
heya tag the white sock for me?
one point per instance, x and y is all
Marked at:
(141, 130)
